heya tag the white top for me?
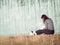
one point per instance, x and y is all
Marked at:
(49, 24)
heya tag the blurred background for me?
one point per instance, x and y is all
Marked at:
(20, 17)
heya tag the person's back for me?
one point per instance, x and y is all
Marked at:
(49, 24)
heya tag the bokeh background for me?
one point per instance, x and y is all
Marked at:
(20, 17)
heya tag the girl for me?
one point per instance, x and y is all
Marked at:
(49, 26)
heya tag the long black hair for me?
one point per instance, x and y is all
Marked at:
(44, 17)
